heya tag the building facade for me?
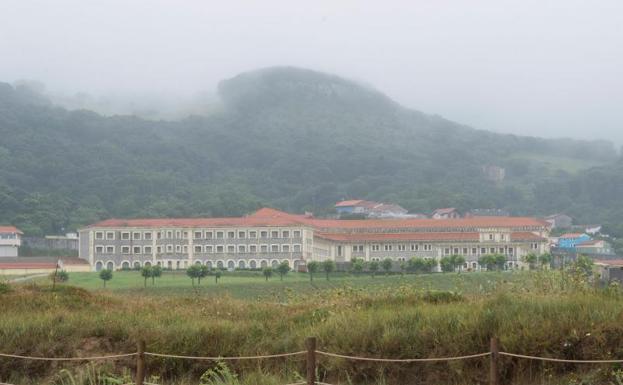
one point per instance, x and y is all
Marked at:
(269, 237)
(10, 241)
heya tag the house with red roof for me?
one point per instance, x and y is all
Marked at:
(446, 213)
(269, 237)
(10, 241)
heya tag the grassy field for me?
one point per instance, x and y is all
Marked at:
(252, 285)
(543, 313)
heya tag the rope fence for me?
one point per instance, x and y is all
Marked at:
(312, 353)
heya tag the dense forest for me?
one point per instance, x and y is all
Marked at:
(289, 138)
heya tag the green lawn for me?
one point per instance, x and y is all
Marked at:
(252, 285)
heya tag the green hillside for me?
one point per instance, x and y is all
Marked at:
(288, 138)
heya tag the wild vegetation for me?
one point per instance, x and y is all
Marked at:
(541, 313)
(288, 138)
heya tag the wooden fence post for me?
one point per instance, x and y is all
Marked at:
(310, 343)
(494, 374)
(140, 363)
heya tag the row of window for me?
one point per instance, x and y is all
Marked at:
(179, 234)
(474, 250)
(391, 247)
(200, 249)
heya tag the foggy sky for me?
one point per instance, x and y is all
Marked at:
(533, 67)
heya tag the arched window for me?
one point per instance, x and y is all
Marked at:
(148, 264)
(137, 264)
(242, 265)
(231, 265)
(264, 263)
(110, 265)
(125, 265)
(253, 264)
(209, 264)
(275, 263)
(99, 265)
(219, 264)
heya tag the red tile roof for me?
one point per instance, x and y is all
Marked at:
(10, 229)
(349, 203)
(420, 236)
(272, 217)
(571, 235)
(609, 262)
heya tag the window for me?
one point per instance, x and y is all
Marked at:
(388, 247)
(185, 235)
(178, 234)
(136, 236)
(501, 250)
(285, 234)
(252, 248)
(147, 236)
(402, 247)
(178, 248)
(147, 250)
(428, 247)
(264, 234)
(125, 249)
(231, 234)
(297, 248)
(483, 251)
(231, 249)
(376, 247)
(465, 251)
(502, 237)
(535, 246)
(185, 249)
(198, 249)
(99, 235)
(339, 251)
(209, 248)
(274, 248)
(99, 249)
(456, 250)
(110, 249)
(252, 234)
(242, 249)
(357, 248)
(169, 234)
(158, 249)
(110, 235)
(274, 234)
(169, 248)
(492, 250)
(286, 248)
(415, 247)
(242, 234)
(264, 248)
(446, 251)
(220, 234)
(208, 235)
(136, 249)
(490, 237)
(510, 250)
(198, 235)
(159, 235)
(474, 251)
(296, 234)
(219, 249)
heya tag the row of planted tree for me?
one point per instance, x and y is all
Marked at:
(357, 267)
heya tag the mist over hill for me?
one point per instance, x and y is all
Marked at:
(289, 138)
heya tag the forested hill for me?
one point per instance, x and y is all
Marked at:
(284, 137)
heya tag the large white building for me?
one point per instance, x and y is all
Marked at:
(10, 241)
(269, 236)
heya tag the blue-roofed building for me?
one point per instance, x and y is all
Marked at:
(572, 240)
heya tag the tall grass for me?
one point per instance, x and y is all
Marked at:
(546, 315)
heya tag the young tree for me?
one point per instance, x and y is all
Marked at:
(358, 265)
(545, 260)
(417, 265)
(329, 267)
(429, 265)
(487, 261)
(203, 272)
(268, 272)
(146, 272)
(283, 269)
(105, 275)
(312, 268)
(500, 260)
(60, 277)
(387, 265)
(457, 262)
(156, 272)
(403, 268)
(217, 275)
(193, 272)
(447, 264)
(531, 259)
(373, 266)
